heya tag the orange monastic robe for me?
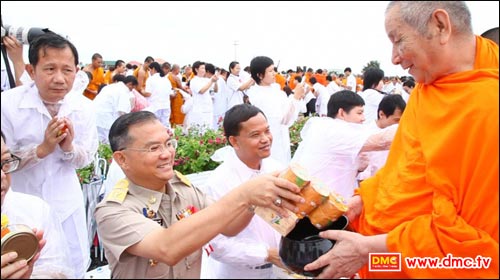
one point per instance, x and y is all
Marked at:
(438, 192)
(280, 80)
(97, 80)
(176, 115)
(291, 81)
(108, 79)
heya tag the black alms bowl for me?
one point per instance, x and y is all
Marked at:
(303, 245)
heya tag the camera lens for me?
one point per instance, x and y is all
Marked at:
(24, 35)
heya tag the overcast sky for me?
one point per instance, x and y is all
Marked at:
(331, 35)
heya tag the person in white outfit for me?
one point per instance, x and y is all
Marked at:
(330, 145)
(202, 111)
(158, 91)
(220, 99)
(252, 252)
(113, 101)
(389, 110)
(322, 97)
(52, 261)
(372, 92)
(238, 83)
(54, 135)
(281, 111)
(351, 80)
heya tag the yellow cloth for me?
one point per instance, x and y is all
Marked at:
(438, 192)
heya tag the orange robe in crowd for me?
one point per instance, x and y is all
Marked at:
(176, 115)
(108, 79)
(280, 80)
(438, 192)
(321, 78)
(97, 80)
(292, 83)
(144, 79)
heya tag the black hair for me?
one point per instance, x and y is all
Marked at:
(236, 115)
(131, 79)
(46, 41)
(344, 99)
(118, 78)
(157, 67)
(258, 65)
(372, 77)
(118, 133)
(390, 103)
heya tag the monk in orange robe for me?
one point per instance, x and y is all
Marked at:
(176, 102)
(437, 195)
(97, 76)
(142, 74)
(279, 78)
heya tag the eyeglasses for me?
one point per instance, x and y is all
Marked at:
(11, 165)
(156, 148)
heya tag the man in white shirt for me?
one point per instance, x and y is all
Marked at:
(351, 80)
(390, 110)
(322, 97)
(158, 92)
(113, 101)
(52, 259)
(330, 145)
(54, 135)
(252, 252)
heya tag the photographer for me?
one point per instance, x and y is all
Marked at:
(14, 50)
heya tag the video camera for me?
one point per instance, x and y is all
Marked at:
(23, 34)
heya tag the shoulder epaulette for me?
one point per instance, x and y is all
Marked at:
(119, 191)
(183, 178)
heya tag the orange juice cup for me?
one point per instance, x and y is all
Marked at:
(328, 212)
(314, 193)
(296, 174)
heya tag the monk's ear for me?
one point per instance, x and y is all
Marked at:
(440, 25)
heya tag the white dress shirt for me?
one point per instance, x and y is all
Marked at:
(236, 257)
(329, 151)
(33, 212)
(112, 100)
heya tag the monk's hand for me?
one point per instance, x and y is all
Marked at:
(347, 256)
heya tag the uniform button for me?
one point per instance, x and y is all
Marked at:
(152, 199)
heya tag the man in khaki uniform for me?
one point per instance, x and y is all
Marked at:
(146, 223)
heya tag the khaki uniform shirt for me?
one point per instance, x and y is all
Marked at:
(122, 222)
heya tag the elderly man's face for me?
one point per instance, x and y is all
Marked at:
(418, 54)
